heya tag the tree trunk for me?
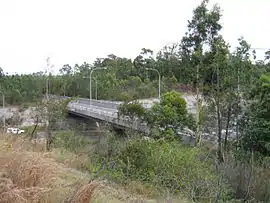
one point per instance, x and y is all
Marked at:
(219, 128)
(48, 134)
(229, 113)
(34, 130)
(198, 135)
(238, 106)
(219, 122)
(250, 178)
(49, 140)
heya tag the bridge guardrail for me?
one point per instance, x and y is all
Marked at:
(101, 103)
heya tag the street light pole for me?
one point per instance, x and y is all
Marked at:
(47, 88)
(48, 70)
(3, 106)
(96, 87)
(92, 70)
(90, 87)
(158, 79)
(4, 117)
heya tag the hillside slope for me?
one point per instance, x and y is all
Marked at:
(28, 174)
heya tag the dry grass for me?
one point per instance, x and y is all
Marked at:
(85, 193)
(28, 175)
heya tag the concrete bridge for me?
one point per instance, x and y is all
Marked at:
(106, 111)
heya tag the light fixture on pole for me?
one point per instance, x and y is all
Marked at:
(92, 70)
(158, 79)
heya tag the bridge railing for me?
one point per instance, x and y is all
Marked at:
(109, 103)
(100, 103)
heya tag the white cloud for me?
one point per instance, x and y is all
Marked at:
(72, 31)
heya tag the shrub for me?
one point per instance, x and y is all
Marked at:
(70, 141)
(167, 166)
(133, 109)
(171, 113)
(249, 179)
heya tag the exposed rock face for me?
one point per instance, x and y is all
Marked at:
(14, 116)
(190, 99)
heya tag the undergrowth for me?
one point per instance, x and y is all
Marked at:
(152, 168)
(28, 174)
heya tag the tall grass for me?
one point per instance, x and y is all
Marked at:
(28, 176)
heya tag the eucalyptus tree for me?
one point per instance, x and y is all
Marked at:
(203, 29)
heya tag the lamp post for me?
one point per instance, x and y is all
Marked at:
(158, 79)
(96, 87)
(92, 70)
(48, 70)
(3, 106)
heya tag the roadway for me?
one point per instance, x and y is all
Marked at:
(96, 108)
(109, 105)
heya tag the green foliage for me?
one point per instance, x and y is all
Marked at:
(22, 88)
(174, 100)
(132, 110)
(171, 81)
(171, 112)
(256, 129)
(71, 141)
(168, 166)
(203, 29)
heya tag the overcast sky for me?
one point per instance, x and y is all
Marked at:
(74, 31)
